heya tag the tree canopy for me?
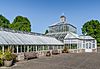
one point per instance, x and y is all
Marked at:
(4, 22)
(21, 23)
(92, 28)
(46, 31)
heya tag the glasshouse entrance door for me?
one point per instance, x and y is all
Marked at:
(88, 47)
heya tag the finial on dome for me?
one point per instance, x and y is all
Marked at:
(62, 18)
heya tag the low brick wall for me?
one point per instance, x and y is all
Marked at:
(21, 56)
(73, 50)
(82, 50)
(98, 49)
(43, 53)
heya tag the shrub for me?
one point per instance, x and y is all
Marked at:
(1, 58)
(8, 56)
(48, 53)
(1, 62)
(1, 55)
(65, 50)
(14, 57)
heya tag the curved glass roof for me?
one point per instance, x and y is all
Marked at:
(9, 38)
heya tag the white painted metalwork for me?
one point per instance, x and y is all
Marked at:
(9, 38)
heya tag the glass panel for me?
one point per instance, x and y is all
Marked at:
(89, 45)
(25, 48)
(45, 47)
(50, 47)
(86, 45)
(68, 46)
(19, 48)
(55, 47)
(83, 45)
(58, 47)
(62, 47)
(15, 49)
(39, 48)
(30, 48)
(83, 41)
(80, 46)
(5, 47)
(93, 41)
(22, 48)
(93, 45)
(73, 46)
(34, 47)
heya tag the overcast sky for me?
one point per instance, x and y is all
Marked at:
(43, 13)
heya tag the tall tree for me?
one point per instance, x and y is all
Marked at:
(92, 28)
(4, 22)
(21, 23)
(46, 31)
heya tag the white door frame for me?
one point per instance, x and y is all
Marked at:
(88, 47)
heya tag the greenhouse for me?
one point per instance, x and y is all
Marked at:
(80, 43)
(67, 33)
(59, 29)
(19, 42)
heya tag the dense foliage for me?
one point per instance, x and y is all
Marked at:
(20, 23)
(8, 55)
(46, 31)
(1, 58)
(4, 22)
(92, 28)
(65, 50)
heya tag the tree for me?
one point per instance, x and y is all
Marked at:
(21, 23)
(4, 22)
(46, 31)
(92, 28)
